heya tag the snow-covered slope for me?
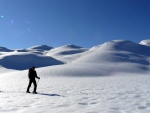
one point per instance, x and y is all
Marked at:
(117, 51)
(145, 42)
(115, 56)
(22, 61)
(65, 50)
(105, 59)
(66, 53)
(40, 49)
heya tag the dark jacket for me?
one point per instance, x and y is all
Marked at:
(32, 74)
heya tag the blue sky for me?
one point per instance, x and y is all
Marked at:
(87, 23)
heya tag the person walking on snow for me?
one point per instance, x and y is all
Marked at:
(32, 75)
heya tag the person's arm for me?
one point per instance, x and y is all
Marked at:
(29, 73)
(36, 75)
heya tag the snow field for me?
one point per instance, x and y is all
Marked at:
(115, 94)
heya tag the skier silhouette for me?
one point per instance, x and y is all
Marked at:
(32, 75)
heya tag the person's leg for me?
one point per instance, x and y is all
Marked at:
(35, 86)
(29, 85)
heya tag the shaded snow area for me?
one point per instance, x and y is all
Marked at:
(112, 94)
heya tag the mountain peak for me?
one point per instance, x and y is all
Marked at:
(73, 46)
(41, 47)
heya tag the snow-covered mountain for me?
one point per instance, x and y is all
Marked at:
(127, 87)
(41, 47)
(71, 60)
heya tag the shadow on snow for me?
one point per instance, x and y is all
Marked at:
(46, 94)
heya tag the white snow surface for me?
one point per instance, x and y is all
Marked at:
(120, 93)
(109, 78)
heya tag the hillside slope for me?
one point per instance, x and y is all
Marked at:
(105, 59)
(22, 61)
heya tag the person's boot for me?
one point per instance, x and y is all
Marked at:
(34, 92)
(27, 91)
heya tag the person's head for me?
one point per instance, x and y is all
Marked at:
(33, 68)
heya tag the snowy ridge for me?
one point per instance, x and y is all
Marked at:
(3, 49)
(145, 42)
(41, 47)
(67, 53)
(71, 60)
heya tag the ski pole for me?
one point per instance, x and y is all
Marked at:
(38, 82)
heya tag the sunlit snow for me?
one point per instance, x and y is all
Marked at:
(109, 78)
